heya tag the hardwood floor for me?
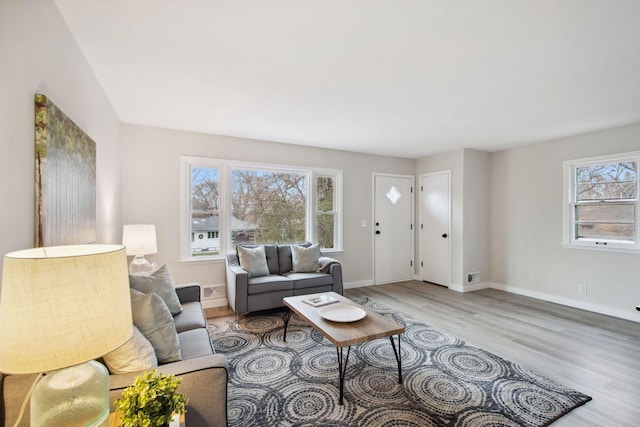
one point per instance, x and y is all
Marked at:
(595, 354)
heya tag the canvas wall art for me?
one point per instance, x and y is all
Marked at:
(65, 179)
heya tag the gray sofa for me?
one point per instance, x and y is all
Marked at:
(204, 374)
(247, 294)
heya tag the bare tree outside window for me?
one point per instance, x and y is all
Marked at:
(325, 211)
(605, 197)
(273, 203)
(205, 211)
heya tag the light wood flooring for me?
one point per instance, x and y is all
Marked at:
(595, 354)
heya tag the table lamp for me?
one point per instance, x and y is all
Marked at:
(61, 307)
(140, 240)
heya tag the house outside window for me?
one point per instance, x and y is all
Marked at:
(204, 211)
(602, 203)
(226, 204)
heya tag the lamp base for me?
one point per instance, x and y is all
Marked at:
(74, 396)
(140, 265)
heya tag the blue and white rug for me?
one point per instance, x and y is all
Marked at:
(446, 382)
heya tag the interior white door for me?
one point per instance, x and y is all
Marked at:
(435, 230)
(393, 228)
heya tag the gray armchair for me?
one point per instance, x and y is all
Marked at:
(261, 293)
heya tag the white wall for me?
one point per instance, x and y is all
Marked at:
(39, 55)
(151, 191)
(526, 255)
(475, 258)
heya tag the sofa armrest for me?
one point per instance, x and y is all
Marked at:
(188, 292)
(204, 382)
(237, 285)
(334, 268)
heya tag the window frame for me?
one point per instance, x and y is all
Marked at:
(186, 233)
(570, 204)
(225, 168)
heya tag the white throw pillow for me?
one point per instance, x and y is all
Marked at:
(153, 318)
(305, 260)
(253, 261)
(136, 354)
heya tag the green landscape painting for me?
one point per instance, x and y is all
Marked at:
(65, 179)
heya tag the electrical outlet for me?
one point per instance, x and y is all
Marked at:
(582, 289)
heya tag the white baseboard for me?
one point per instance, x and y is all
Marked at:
(215, 302)
(622, 314)
(361, 284)
(470, 288)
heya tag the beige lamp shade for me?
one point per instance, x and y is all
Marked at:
(62, 306)
(140, 239)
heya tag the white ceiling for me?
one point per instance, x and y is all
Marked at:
(406, 78)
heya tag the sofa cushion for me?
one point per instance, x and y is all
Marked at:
(136, 354)
(153, 318)
(284, 256)
(271, 254)
(160, 283)
(309, 280)
(195, 343)
(305, 260)
(271, 283)
(191, 317)
(253, 261)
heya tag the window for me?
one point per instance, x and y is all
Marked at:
(268, 206)
(325, 211)
(602, 204)
(204, 210)
(265, 204)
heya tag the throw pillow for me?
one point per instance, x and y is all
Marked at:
(136, 354)
(253, 261)
(305, 260)
(153, 318)
(160, 283)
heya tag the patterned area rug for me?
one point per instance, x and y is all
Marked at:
(446, 382)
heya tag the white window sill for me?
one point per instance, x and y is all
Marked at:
(602, 248)
(202, 260)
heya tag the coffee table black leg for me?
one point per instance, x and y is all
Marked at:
(398, 354)
(342, 370)
(285, 318)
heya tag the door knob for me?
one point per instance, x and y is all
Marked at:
(444, 235)
(377, 231)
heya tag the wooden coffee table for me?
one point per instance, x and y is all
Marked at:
(345, 334)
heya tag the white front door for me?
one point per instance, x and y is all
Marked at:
(393, 228)
(435, 227)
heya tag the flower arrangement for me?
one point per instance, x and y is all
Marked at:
(151, 400)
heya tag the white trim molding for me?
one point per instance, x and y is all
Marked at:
(632, 314)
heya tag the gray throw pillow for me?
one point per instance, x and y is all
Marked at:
(153, 318)
(305, 260)
(160, 283)
(137, 354)
(253, 261)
